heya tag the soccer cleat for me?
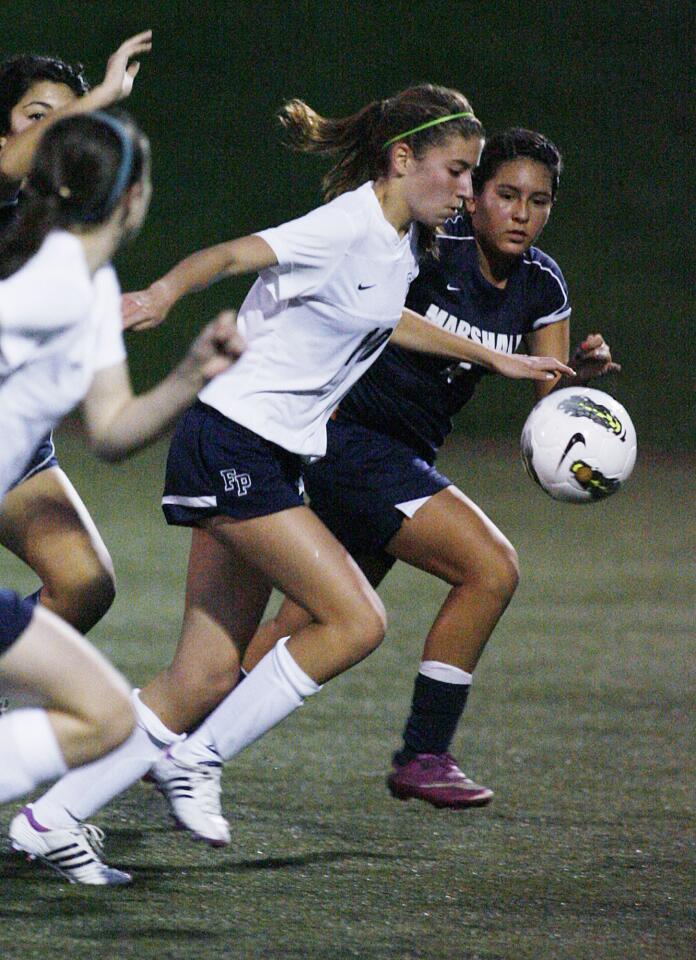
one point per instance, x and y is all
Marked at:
(192, 791)
(73, 852)
(437, 779)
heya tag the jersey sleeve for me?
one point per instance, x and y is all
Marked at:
(109, 346)
(552, 302)
(308, 250)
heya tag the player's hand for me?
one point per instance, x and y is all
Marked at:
(521, 366)
(593, 359)
(121, 69)
(145, 309)
(217, 347)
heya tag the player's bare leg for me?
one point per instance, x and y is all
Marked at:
(88, 713)
(86, 699)
(450, 537)
(295, 551)
(44, 522)
(225, 598)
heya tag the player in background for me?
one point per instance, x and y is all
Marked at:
(61, 343)
(378, 489)
(330, 291)
(42, 519)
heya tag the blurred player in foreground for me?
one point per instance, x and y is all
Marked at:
(330, 292)
(43, 519)
(61, 343)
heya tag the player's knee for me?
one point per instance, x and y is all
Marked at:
(81, 595)
(494, 571)
(502, 573)
(367, 626)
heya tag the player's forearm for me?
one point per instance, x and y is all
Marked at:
(414, 332)
(139, 420)
(195, 272)
(148, 308)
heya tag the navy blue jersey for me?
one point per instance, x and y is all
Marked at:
(412, 396)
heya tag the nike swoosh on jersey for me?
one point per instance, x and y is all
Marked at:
(366, 286)
(450, 287)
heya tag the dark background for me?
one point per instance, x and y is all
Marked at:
(605, 81)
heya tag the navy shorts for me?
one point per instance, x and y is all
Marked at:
(356, 487)
(44, 457)
(15, 615)
(218, 467)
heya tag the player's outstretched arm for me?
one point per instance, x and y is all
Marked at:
(119, 423)
(121, 71)
(416, 333)
(144, 309)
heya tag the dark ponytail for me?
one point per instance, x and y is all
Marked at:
(81, 169)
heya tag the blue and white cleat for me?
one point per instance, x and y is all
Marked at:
(73, 852)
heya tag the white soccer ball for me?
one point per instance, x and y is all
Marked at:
(579, 445)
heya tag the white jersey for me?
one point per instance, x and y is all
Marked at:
(58, 327)
(315, 323)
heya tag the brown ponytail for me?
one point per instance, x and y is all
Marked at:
(359, 141)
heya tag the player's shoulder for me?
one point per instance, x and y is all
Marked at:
(57, 274)
(541, 266)
(545, 287)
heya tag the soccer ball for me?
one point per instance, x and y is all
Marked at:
(579, 445)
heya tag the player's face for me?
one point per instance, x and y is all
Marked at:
(513, 207)
(40, 100)
(438, 183)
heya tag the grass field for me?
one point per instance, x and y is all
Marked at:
(581, 719)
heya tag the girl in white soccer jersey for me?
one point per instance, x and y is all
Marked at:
(42, 518)
(330, 292)
(60, 342)
(378, 489)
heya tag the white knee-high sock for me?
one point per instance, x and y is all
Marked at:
(79, 794)
(273, 689)
(29, 752)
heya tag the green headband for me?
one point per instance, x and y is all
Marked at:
(429, 123)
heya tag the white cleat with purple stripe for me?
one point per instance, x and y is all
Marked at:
(74, 852)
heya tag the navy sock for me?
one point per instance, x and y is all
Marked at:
(34, 598)
(435, 712)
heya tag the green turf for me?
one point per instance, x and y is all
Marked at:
(581, 720)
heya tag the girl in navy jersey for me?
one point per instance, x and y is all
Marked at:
(330, 292)
(43, 519)
(378, 490)
(61, 343)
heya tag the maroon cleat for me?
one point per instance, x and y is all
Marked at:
(437, 779)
